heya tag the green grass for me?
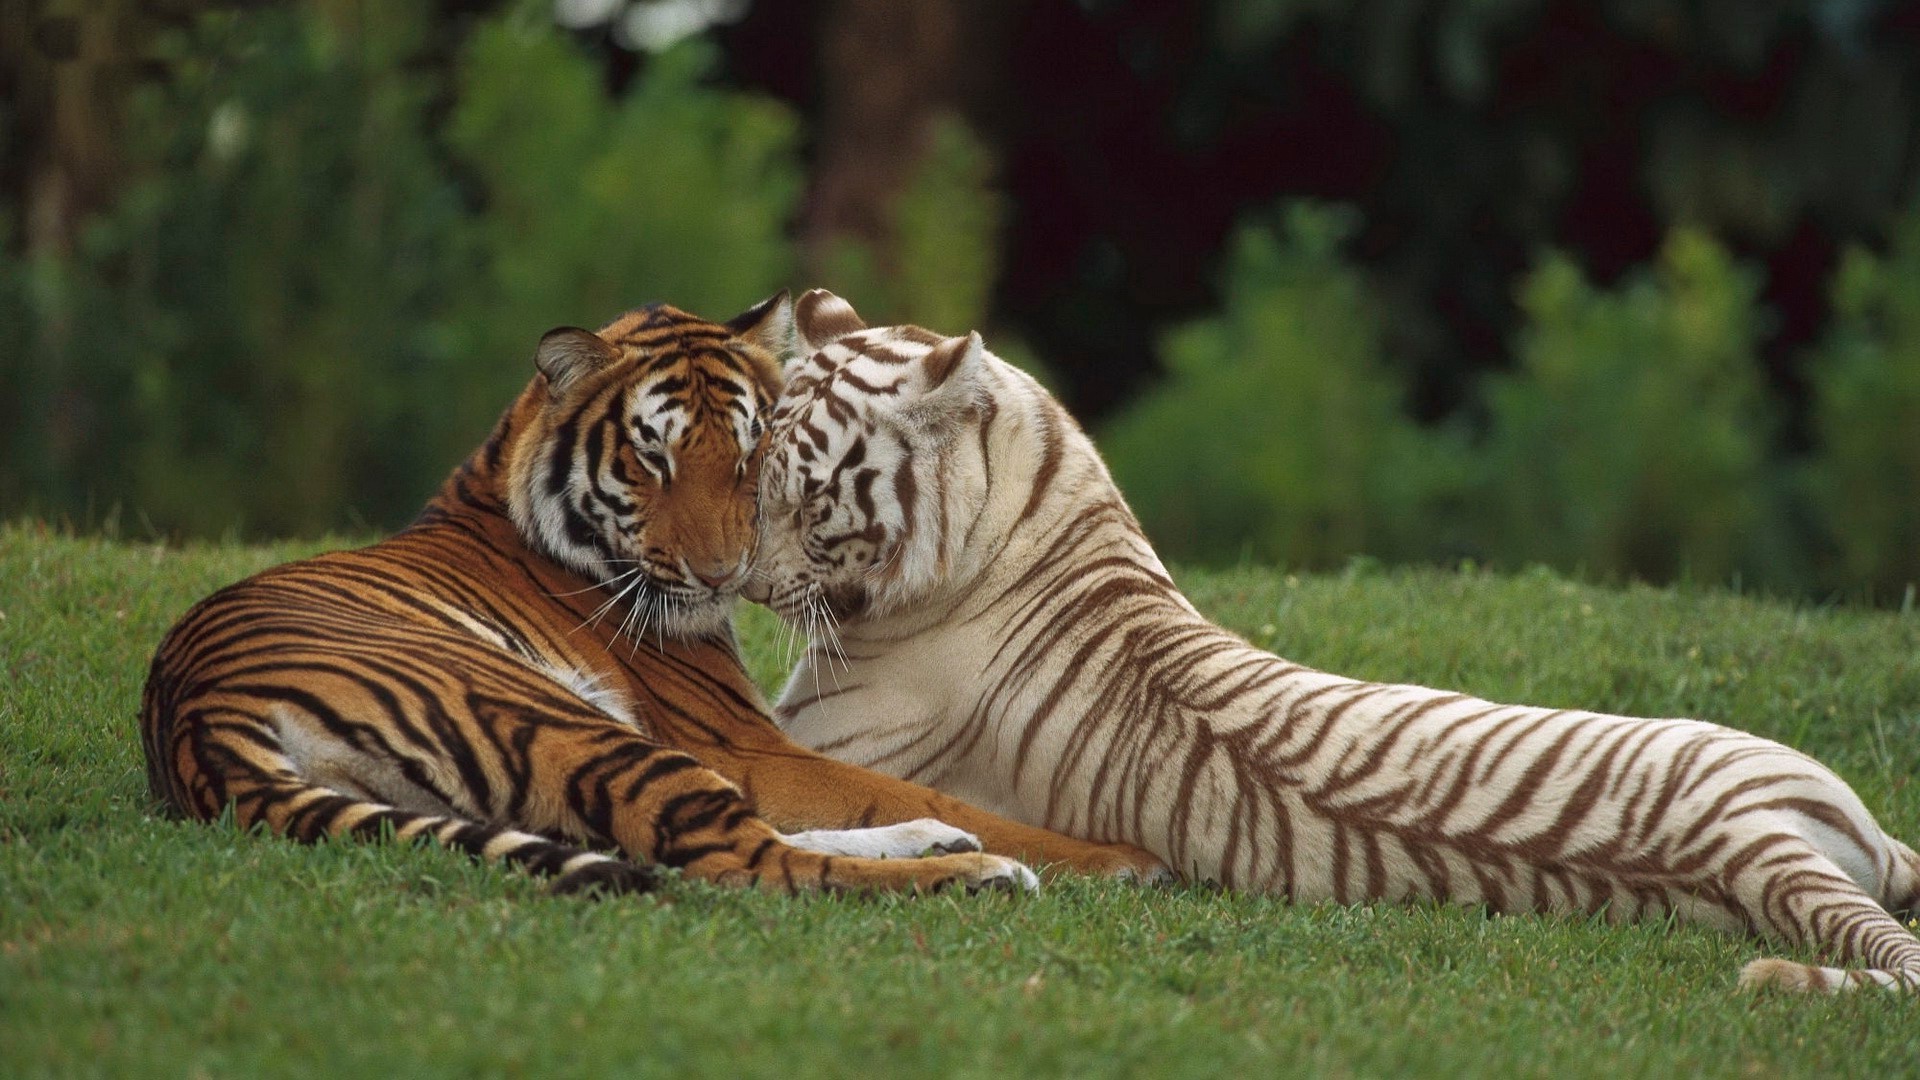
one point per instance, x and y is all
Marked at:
(131, 945)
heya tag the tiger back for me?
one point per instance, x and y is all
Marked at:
(541, 668)
(995, 624)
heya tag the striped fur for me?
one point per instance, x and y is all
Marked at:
(1006, 633)
(542, 667)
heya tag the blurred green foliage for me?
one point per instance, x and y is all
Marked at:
(256, 305)
(1634, 440)
(945, 255)
(1278, 433)
(1832, 96)
(1864, 479)
(308, 308)
(1631, 438)
(324, 277)
(590, 206)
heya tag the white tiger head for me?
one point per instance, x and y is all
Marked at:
(857, 511)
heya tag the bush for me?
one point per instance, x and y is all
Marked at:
(307, 308)
(1864, 479)
(229, 345)
(1632, 440)
(1278, 433)
(591, 206)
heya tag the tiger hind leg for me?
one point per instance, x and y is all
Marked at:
(1902, 893)
(586, 777)
(573, 869)
(228, 761)
(1806, 898)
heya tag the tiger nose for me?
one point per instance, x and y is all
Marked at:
(715, 575)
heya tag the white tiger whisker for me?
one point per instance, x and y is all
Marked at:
(824, 638)
(789, 643)
(830, 626)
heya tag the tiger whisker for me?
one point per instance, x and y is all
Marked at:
(830, 625)
(789, 642)
(644, 615)
(885, 565)
(822, 635)
(601, 611)
(634, 624)
(600, 585)
(808, 610)
(626, 619)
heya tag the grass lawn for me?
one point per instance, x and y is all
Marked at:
(135, 946)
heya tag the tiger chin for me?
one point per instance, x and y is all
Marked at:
(541, 669)
(987, 617)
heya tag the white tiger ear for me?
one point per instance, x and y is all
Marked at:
(823, 318)
(768, 324)
(951, 357)
(568, 353)
(951, 377)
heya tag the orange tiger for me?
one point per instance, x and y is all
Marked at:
(542, 666)
(1006, 634)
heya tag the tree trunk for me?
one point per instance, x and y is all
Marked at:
(64, 64)
(888, 70)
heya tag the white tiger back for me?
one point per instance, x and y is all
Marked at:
(987, 617)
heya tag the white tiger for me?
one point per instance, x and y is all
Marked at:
(1005, 633)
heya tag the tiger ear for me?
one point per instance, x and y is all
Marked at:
(823, 318)
(568, 353)
(768, 324)
(960, 356)
(950, 376)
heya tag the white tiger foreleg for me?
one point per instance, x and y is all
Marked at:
(907, 840)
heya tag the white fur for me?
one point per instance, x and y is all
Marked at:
(907, 840)
(1133, 719)
(334, 765)
(590, 689)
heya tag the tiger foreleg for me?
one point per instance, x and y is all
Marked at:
(799, 790)
(907, 840)
(662, 805)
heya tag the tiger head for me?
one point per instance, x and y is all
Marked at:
(863, 497)
(638, 456)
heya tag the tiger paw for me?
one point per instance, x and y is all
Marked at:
(998, 873)
(907, 840)
(591, 874)
(972, 872)
(1124, 862)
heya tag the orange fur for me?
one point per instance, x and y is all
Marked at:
(484, 678)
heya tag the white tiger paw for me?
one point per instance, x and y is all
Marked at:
(907, 840)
